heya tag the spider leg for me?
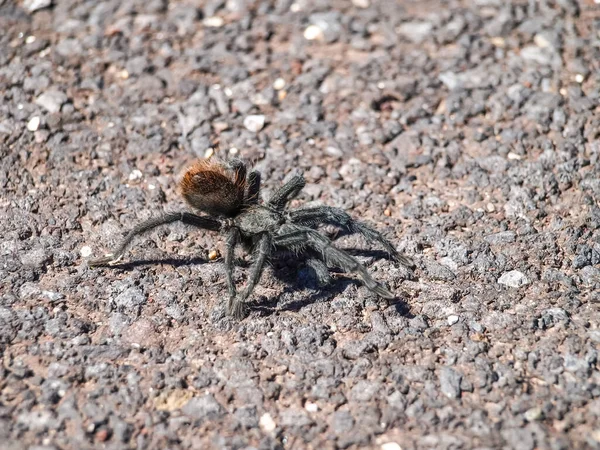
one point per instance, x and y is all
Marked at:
(287, 192)
(206, 223)
(233, 236)
(311, 217)
(297, 237)
(320, 270)
(253, 187)
(262, 251)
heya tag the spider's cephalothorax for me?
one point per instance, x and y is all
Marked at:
(223, 190)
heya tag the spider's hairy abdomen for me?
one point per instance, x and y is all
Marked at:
(215, 188)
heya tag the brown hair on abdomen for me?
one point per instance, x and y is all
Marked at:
(213, 188)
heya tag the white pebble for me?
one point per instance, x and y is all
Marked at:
(85, 251)
(313, 32)
(514, 278)
(361, 3)
(541, 41)
(254, 122)
(334, 151)
(390, 446)
(33, 124)
(452, 320)
(279, 84)
(266, 422)
(213, 22)
(34, 5)
(30, 39)
(579, 78)
(209, 152)
(311, 407)
(135, 175)
(233, 151)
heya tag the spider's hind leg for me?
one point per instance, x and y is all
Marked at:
(297, 236)
(319, 270)
(312, 217)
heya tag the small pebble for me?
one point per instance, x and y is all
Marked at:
(233, 151)
(279, 84)
(208, 153)
(213, 22)
(30, 39)
(514, 278)
(254, 123)
(334, 151)
(34, 123)
(452, 320)
(416, 31)
(85, 251)
(101, 435)
(579, 78)
(313, 32)
(52, 100)
(498, 42)
(490, 207)
(212, 255)
(387, 212)
(311, 407)
(390, 446)
(34, 5)
(361, 3)
(220, 126)
(267, 424)
(135, 175)
(533, 414)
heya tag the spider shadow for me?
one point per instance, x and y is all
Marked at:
(290, 276)
(175, 262)
(320, 294)
(295, 280)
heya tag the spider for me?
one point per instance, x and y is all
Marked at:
(231, 199)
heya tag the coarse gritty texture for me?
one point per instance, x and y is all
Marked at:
(466, 132)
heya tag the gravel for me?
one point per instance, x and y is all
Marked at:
(466, 132)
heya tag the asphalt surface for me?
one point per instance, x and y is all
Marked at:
(466, 132)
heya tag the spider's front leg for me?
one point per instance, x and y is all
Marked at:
(206, 223)
(233, 237)
(287, 192)
(262, 250)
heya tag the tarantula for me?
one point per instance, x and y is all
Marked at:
(222, 190)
